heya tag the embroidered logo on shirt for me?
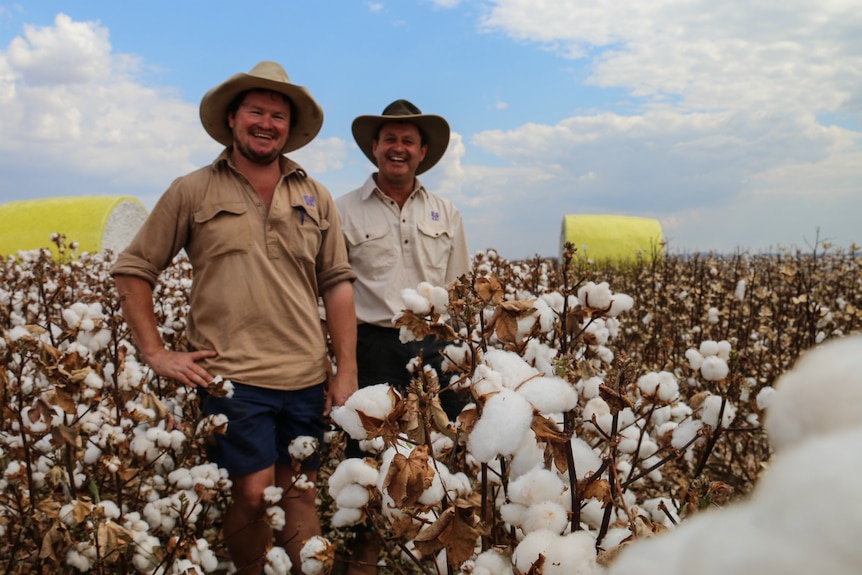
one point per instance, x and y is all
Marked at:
(309, 200)
(435, 216)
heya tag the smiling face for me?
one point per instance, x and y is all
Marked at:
(260, 126)
(398, 150)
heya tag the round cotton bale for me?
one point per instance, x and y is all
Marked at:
(612, 237)
(96, 223)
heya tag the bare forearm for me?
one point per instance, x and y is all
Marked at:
(137, 301)
(341, 324)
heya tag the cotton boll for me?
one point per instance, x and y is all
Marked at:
(275, 517)
(592, 513)
(595, 296)
(598, 409)
(549, 394)
(629, 438)
(589, 388)
(435, 492)
(455, 355)
(511, 366)
(621, 303)
(573, 554)
(712, 315)
(685, 433)
(202, 555)
(586, 459)
(545, 515)
(512, 513)
(541, 356)
(313, 555)
(527, 456)
(554, 300)
(695, 359)
(492, 562)
(545, 314)
(536, 486)
(346, 517)
(648, 383)
(277, 562)
(764, 397)
(413, 301)
(714, 368)
(813, 480)
(505, 419)
(375, 401)
(821, 394)
(302, 447)
(351, 471)
(531, 547)
(273, 494)
(486, 380)
(710, 409)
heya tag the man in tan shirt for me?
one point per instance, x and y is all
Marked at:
(398, 235)
(265, 241)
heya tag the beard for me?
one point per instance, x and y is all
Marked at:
(261, 158)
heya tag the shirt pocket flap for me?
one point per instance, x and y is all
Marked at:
(208, 211)
(359, 236)
(434, 229)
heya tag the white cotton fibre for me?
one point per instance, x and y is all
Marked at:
(797, 520)
(822, 393)
(545, 515)
(374, 401)
(549, 394)
(511, 366)
(572, 554)
(491, 562)
(415, 302)
(587, 461)
(505, 418)
(536, 486)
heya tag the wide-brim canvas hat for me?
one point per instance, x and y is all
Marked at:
(435, 131)
(264, 76)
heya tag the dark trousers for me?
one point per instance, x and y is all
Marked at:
(382, 358)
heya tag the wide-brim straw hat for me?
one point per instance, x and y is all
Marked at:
(264, 76)
(435, 131)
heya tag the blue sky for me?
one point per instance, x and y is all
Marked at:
(738, 125)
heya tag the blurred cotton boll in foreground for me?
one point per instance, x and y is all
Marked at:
(803, 516)
(823, 393)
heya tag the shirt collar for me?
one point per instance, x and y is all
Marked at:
(286, 165)
(370, 185)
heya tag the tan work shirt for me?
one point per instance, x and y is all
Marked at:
(392, 249)
(257, 273)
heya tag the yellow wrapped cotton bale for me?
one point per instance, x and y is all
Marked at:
(612, 237)
(96, 223)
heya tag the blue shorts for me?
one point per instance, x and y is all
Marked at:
(262, 423)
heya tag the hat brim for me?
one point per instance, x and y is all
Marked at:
(434, 128)
(214, 104)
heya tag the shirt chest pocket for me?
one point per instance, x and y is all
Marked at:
(306, 229)
(372, 249)
(435, 241)
(222, 229)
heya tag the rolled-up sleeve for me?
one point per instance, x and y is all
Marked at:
(162, 236)
(333, 265)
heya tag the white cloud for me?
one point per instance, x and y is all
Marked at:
(76, 120)
(726, 150)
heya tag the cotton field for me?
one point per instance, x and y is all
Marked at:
(610, 412)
